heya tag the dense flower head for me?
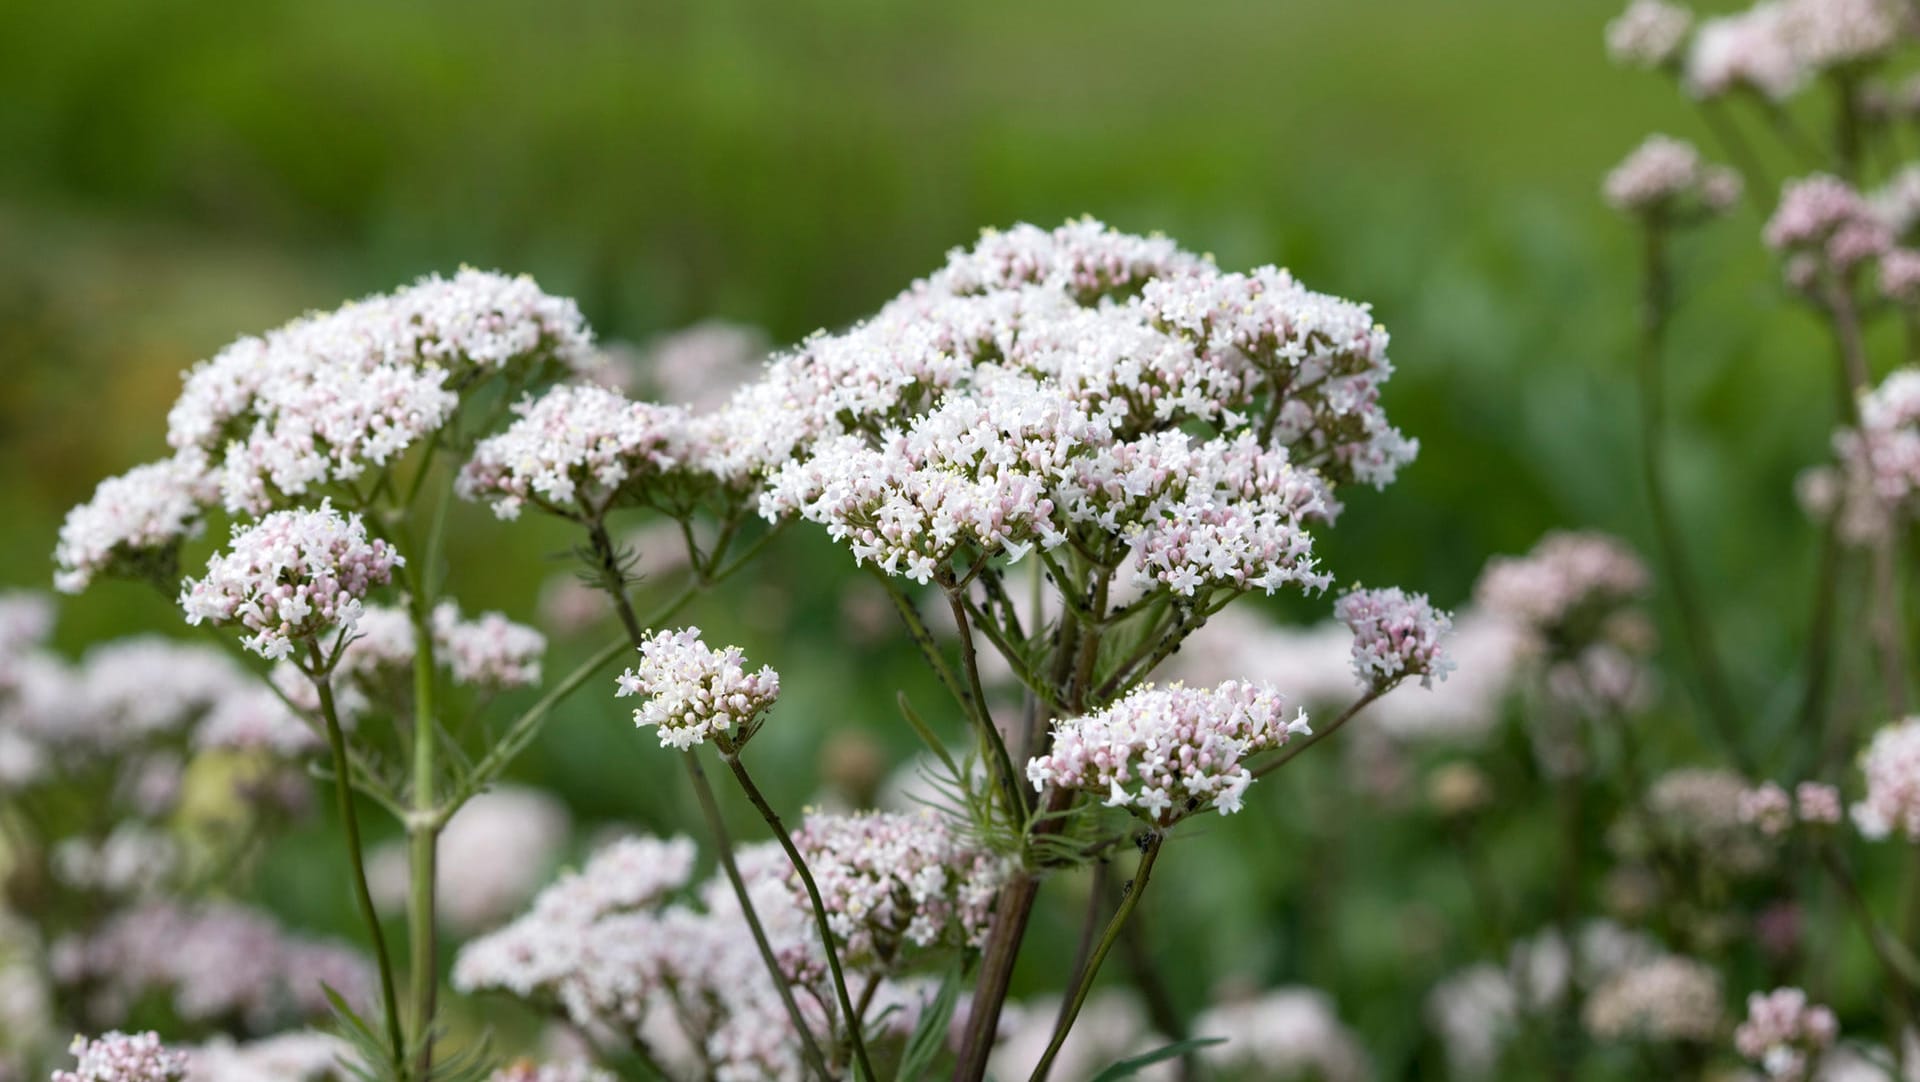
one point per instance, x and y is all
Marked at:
(489, 651)
(894, 882)
(1880, 458)
(136, 689)
(1169, 752)
(577, 450)
(329, 396)
(1747, 50)
(1827, 34)
(217, 963)
(1665, 176)
(134, 524)
(1770, 809)
(1669, 999)
(291, 576)
(1395, 635)
(1825, 217)
(615, 948)
(1784, 1033)
(695, 693)
(1649, 33)
(1080, 383)
(1018, 464)
(1284, 1033)
(1566, 588)
(255, 719)
(1896, 202)
(1900, 276)
(1891, 764)
(124, 1057)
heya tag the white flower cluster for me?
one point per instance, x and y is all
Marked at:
(575, 451)
(124, 1057)
(1822, 222)
(489, 651)
(1669, 999)
(1769, 809)
(1169, 752)
(1880, 459)
(1777, 46)
(1649, 33)
(1785, 1034)
(220, 963)
(1891, 764)
(1568, 579)
(1042, 384)
(1284, 1033)
(695, 693)
(1665, 177)
(290, 577)
(1478, 1010)
(134, 524)
(494, 852)
(327, 397)
(610, 948)
(1395, 635)
(892, 882)
(132, 858)
(1700, 811)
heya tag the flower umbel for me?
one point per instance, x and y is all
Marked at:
(290, 577)
(695, 693)
(1169, 752)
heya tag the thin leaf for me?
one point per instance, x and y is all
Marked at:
(1127, 1068)
(930, 1036)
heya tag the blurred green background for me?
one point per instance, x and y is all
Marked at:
(177, 174)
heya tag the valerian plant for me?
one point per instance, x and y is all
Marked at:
(1060, 455)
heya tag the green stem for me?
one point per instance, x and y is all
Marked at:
(779, 829)
(609, 568)
(423, 833)
(1655, 305)
(996, 748)
(343, 796)
(1296, 748)
(1148, 855)
(710, 808)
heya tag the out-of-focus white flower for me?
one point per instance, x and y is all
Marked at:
(1826, 218)
(1892, 766)
(1649, 33)
(1169, 752)
(1785, 1034)
(894, 882)
(1749, 50)
(1285, 1033)
(1111, 1027)
(298, 1056)
(494, 852)
(1664, 177)
(526, 1070)
(1668, 999)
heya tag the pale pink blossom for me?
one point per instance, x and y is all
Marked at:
(1649, 33)
(123, 1057)
(695, 693)
(1891, 764)
(1785, 1034)
(1665, 176)
(134, 524)
(1395, 635)
(290, 577)
(1169, 752)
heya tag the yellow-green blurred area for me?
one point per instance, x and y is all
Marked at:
(176, 174)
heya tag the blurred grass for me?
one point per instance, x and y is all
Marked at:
(181, 173)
